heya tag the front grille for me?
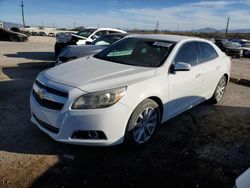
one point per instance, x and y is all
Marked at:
(49, 98)
(46, 126)
(51, 90)
(48, 103)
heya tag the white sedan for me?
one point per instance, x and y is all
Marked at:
(85, 36)
(124, 92)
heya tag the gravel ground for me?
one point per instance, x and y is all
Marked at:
(207, 146)
(241, 68)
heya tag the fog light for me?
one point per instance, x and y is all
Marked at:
(89, 135)
(93, 134)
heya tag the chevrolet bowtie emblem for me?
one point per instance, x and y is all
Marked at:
(41, 93)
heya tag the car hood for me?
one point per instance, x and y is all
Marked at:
(234, 49)
(80, 50)
(91, 74)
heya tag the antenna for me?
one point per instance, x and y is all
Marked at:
(22, 13)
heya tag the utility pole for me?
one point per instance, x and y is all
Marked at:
(22, 13)
(227, 25)
(157, 26)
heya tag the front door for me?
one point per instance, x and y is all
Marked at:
(184, 86)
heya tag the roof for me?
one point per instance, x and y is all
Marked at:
(118, 34)
(173, 38)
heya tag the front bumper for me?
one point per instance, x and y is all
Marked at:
(112, 121)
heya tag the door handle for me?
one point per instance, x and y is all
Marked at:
(198, 75)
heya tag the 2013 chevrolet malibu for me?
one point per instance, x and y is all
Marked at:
(125, 91)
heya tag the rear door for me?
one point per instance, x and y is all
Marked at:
(210, 63)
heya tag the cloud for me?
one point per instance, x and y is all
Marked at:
(215, 4)
(185, 16)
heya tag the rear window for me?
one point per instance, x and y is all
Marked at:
(207, 52)
(188, 53)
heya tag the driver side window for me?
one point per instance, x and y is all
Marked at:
(188, 53)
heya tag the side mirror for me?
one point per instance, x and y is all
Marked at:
(180, 66)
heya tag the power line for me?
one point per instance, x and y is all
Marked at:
(22, 13)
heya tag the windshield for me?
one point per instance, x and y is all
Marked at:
(137, 52)
(106, 40)
(86, 32)
(230, 45)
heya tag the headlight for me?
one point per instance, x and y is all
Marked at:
(100, 99)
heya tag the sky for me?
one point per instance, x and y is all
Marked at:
(130, 14)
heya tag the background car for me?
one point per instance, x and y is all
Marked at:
(230, 48)
(8, 35)
(33, 33)
(76, 51)
(245, 46)
(82, 37)
(42, 33)
(16, 29)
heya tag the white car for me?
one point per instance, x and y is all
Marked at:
(125, 91)
(85, 36)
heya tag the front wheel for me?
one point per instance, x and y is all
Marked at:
(219, 91)
(142, 123)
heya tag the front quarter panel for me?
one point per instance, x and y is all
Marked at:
(154, 87)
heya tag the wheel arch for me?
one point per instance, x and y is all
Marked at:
(227, 77)
(160, 104)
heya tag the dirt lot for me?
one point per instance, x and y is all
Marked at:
(208, 146)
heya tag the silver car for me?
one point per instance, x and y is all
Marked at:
(76, 51)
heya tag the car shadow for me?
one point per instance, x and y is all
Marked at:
(43, 56)
(190, 150)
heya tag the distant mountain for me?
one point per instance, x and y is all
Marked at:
(10, 24)
(205, 30)
(239, 31)
(212, 30)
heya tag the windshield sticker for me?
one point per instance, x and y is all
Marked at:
(162, 44)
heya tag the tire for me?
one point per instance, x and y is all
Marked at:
(58, 48)
(142, 123)
(244, 53)
(219, 91)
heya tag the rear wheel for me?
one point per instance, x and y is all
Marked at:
(143, 123)
(219, 91)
